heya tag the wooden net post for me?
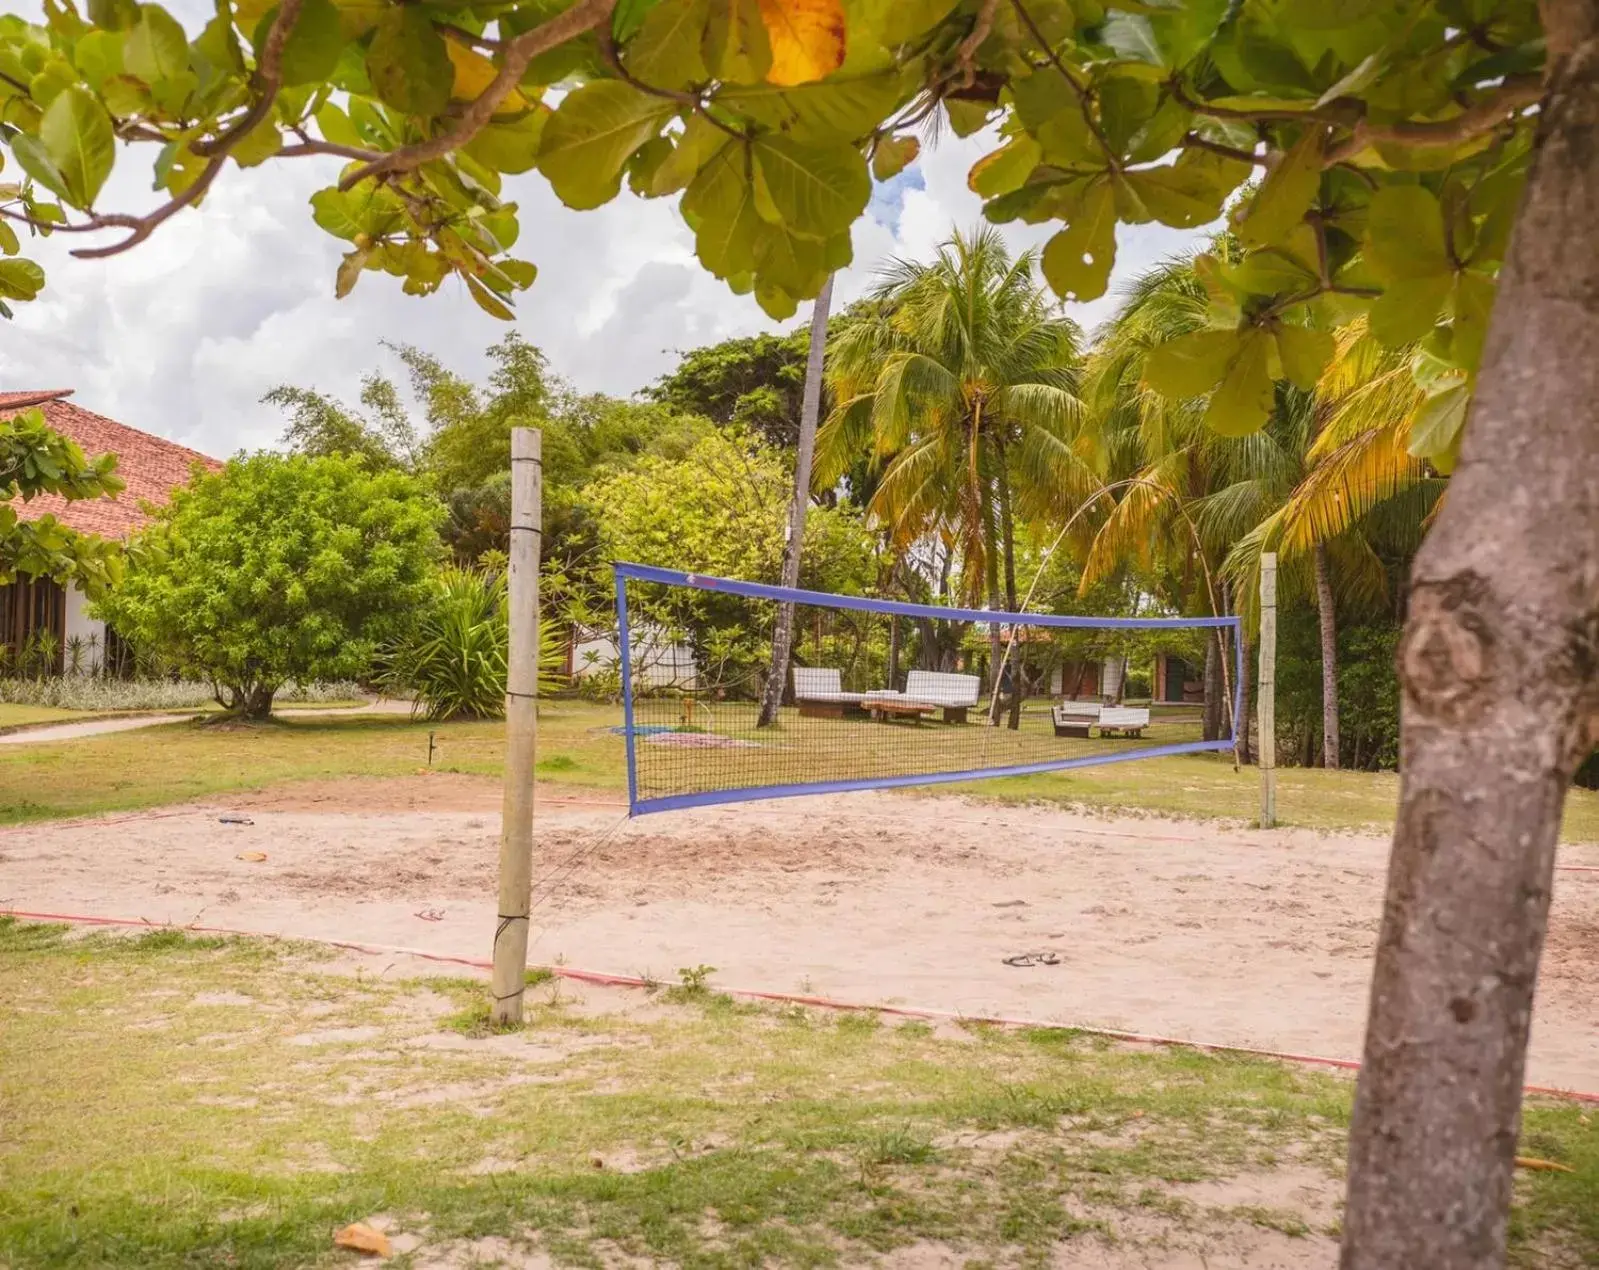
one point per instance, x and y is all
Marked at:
(521, 728)
(1266, 690)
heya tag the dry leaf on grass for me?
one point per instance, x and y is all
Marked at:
(360, 1237)
(252, 857)
(1542, 1166)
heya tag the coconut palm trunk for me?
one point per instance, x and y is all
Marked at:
(810, 411)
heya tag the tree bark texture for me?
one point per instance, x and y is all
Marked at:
(1327, 611)
(1499, 665)
(810, 410)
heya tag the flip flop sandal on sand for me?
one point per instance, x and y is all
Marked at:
(1033, 959)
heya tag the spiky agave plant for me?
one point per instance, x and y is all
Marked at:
(454, 663)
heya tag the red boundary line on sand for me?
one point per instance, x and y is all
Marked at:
(605, 979)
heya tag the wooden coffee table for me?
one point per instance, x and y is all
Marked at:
(883, 709)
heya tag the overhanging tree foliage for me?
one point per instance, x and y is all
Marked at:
(279, 568)
(1397, 140)
(36, 459)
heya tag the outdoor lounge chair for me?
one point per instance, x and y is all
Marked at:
(819, 690)
(954, 693)
(1075, 718)
(1123, 720)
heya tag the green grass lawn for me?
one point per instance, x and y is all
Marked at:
(167, 1101)
(182, 761)
(15, 716)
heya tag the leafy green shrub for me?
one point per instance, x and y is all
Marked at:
(91, 692)
(454, 662)
(278, 568)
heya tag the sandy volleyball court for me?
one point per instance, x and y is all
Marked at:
(1190, 930)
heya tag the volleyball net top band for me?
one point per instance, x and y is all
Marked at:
(883, 694)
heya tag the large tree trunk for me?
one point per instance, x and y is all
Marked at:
(810, 409)
(1499, 664)
(1328, 613)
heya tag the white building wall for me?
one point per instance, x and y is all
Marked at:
(656, 663)
(81, 626)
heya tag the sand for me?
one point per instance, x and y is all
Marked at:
(1190, 930)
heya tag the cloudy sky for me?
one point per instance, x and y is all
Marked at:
(182, 335)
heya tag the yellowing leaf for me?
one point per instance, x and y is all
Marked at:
(735, 45)
(1542, 1166)
(359, 1237)
(1005, 169)
(1304, 353)
(1285, 195)
(408, 64)
(1077, 261)
(893, 155)
(251, 857)
(474, 73)
(806, 37)
(1190, 365)
(1242, 403)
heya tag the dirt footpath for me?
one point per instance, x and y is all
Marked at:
(1189, 930)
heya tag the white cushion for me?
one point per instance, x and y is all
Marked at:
(817, 683)
(1078, 710)
(941, 688)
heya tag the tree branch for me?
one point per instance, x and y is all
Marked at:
(1197, 142)
(613, 59)
(1082, 93)
(311, 146)
(583, 16)
(465, 38)
(1514, 95)
(266, 81)
(966, 50)
(143, 226)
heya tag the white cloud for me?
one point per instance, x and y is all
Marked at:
(182, 335)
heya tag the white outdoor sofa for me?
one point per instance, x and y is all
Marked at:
(954, 694)
(1077, 718)
(1123, 720)
(819, 690)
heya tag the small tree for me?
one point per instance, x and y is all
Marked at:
(279, 568)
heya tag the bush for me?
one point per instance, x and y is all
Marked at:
(454, 662)
(90, 692)
(277, 569)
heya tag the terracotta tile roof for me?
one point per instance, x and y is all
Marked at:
(152, 466)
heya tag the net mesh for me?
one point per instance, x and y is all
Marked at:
(882, 693)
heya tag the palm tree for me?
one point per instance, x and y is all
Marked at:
(1325, 483)
(959, 378)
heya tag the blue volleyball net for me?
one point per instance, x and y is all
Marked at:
(883, 694)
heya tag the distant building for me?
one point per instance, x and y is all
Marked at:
(152, 468)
